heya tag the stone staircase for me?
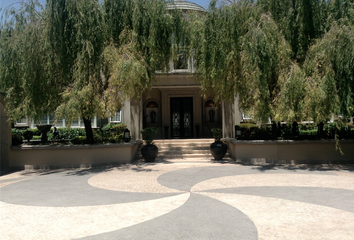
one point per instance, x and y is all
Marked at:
(184, 148)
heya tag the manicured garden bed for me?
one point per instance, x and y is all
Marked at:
(69, 148)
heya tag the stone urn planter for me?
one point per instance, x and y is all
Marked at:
(44, 129)
(150, 150)
(218, 149)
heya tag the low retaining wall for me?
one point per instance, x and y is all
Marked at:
(72, 156)
(291, 152)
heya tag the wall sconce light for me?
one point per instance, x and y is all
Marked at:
(126, 135)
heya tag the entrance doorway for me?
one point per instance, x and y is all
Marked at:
(182, 117)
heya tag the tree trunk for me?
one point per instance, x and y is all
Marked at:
(88, 130)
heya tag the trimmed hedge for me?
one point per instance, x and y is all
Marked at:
(304, 131)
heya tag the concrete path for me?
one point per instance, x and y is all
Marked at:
(179, 199)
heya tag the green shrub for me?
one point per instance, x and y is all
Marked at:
(79, 140)
(217, 133)
(337, 128)
(70, 133)
(148, 134)
(115, 128)
(247, 125)
(110, 133)
(16, 139)
(18, 131)
(97, 136)
(308, 132)
(306, 127)
(28, 135)
(35, 131)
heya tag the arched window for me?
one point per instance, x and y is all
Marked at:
(209, 103)
(152, 104)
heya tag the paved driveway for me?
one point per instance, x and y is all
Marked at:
(180, 199)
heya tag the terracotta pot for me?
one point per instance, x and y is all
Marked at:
(149, 152)
(218, 150)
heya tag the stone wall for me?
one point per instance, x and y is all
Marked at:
(291, 152)
(32, 156)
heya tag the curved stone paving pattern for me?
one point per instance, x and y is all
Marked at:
(178, 200)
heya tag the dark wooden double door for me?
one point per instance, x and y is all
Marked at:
(182, 117)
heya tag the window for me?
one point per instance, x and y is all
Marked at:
(44, 120)
(80, 122)
(22, 121)
(247, 115)
(181, 62)
(116, 117)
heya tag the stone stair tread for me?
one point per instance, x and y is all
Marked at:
(184, 149)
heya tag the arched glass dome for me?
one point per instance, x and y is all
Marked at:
(185, 6)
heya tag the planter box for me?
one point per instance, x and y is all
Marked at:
(291, 152)
(72, 156)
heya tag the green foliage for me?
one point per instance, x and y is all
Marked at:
(339, 129)
(217, 134)
(28, 87)
(69, 133)
(81, 58)
(291, 105)
(284, 60)
(246, 125)
(79, 140)
(18, 131)
(114, 127)
(110, 133)
(81, 47)
(138, 47)
(308, 132)
(16, 139)
(28, 135)
(329, 65)
(148, 134)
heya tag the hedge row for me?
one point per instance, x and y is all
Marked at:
(301, 132)
(110, 133)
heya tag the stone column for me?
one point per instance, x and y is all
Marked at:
(231, 116)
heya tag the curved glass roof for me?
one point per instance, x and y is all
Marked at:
(185, 6)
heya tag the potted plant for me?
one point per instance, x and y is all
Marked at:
(150, 150)
(218, 149)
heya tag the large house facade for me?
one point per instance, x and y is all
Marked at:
(174, 104)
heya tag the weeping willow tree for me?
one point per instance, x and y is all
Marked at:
(330, 70)
(24, 72)
(282, 59)
(244, 54)
(137, 50)
(81, 59)
(76, 35)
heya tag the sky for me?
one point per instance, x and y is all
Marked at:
(5, 3)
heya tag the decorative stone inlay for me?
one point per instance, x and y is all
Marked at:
(284, 219)
(295, 180)
(126, 178)
(27, 222)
